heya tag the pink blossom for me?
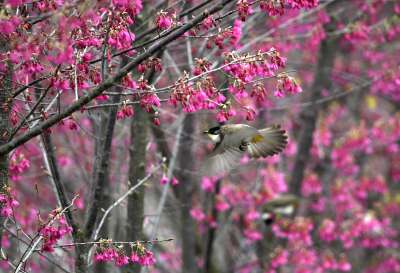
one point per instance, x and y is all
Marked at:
(121, 260)
(135, 258)
(147, 259)
(164, 179)
(250, 114)
(252, 235)
(197, 214)
(280, 259)
(15, 3)
(163, 20)
(311, 185)
(244, 9)
(174, 181)
(221, 205)
(252, 215)
(51, 234)
(236, 32)
(207, 184)
(327, 230)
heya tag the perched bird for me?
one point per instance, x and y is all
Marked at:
(235, 140)
(284, 205)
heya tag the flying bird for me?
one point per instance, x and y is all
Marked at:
(233, 141)
(284, 205)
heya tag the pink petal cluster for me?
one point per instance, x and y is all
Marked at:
(7, 203)
(53, 233)
(111, 254)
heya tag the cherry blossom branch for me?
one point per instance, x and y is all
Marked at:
(152, 30)
(50, 260)
(138, 38)
(96, 91)
(38, 238)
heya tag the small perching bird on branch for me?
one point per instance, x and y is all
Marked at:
(235, 140)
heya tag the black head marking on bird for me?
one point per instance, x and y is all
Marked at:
(214, 130)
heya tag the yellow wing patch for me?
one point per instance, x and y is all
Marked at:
(371, 102)
(257, 139)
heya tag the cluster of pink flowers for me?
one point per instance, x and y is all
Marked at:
(244, 9)
(132, 7)
(150, 101)
(125, 111)
(52, 233)
(107, 252)
(311, 186)
(164, 180)
(278, 7)
(198, 214)
(152, 63)
(7, 203)
(368, 231)
(286, 84)
(208, 184)
(18, 164)
(297, 231)
(164, 20)
(70, 123)
(243, 69)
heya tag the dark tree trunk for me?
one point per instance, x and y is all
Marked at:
(5, 108)
(100, 188)
(185, 192)
(309, 116)
(137, 170)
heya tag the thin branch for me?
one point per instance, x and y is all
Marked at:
(33, 108)
(122, 198)
(115, 243)
(32, 83)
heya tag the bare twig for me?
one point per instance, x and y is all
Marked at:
(122, 198)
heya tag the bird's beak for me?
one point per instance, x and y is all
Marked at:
(205, 132)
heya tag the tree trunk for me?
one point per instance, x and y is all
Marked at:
(5, 109)
(185, 190)
(100, 190)
(309, 116)
(137, 170)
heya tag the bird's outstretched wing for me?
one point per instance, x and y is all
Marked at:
(270, 141)
(220, 162)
